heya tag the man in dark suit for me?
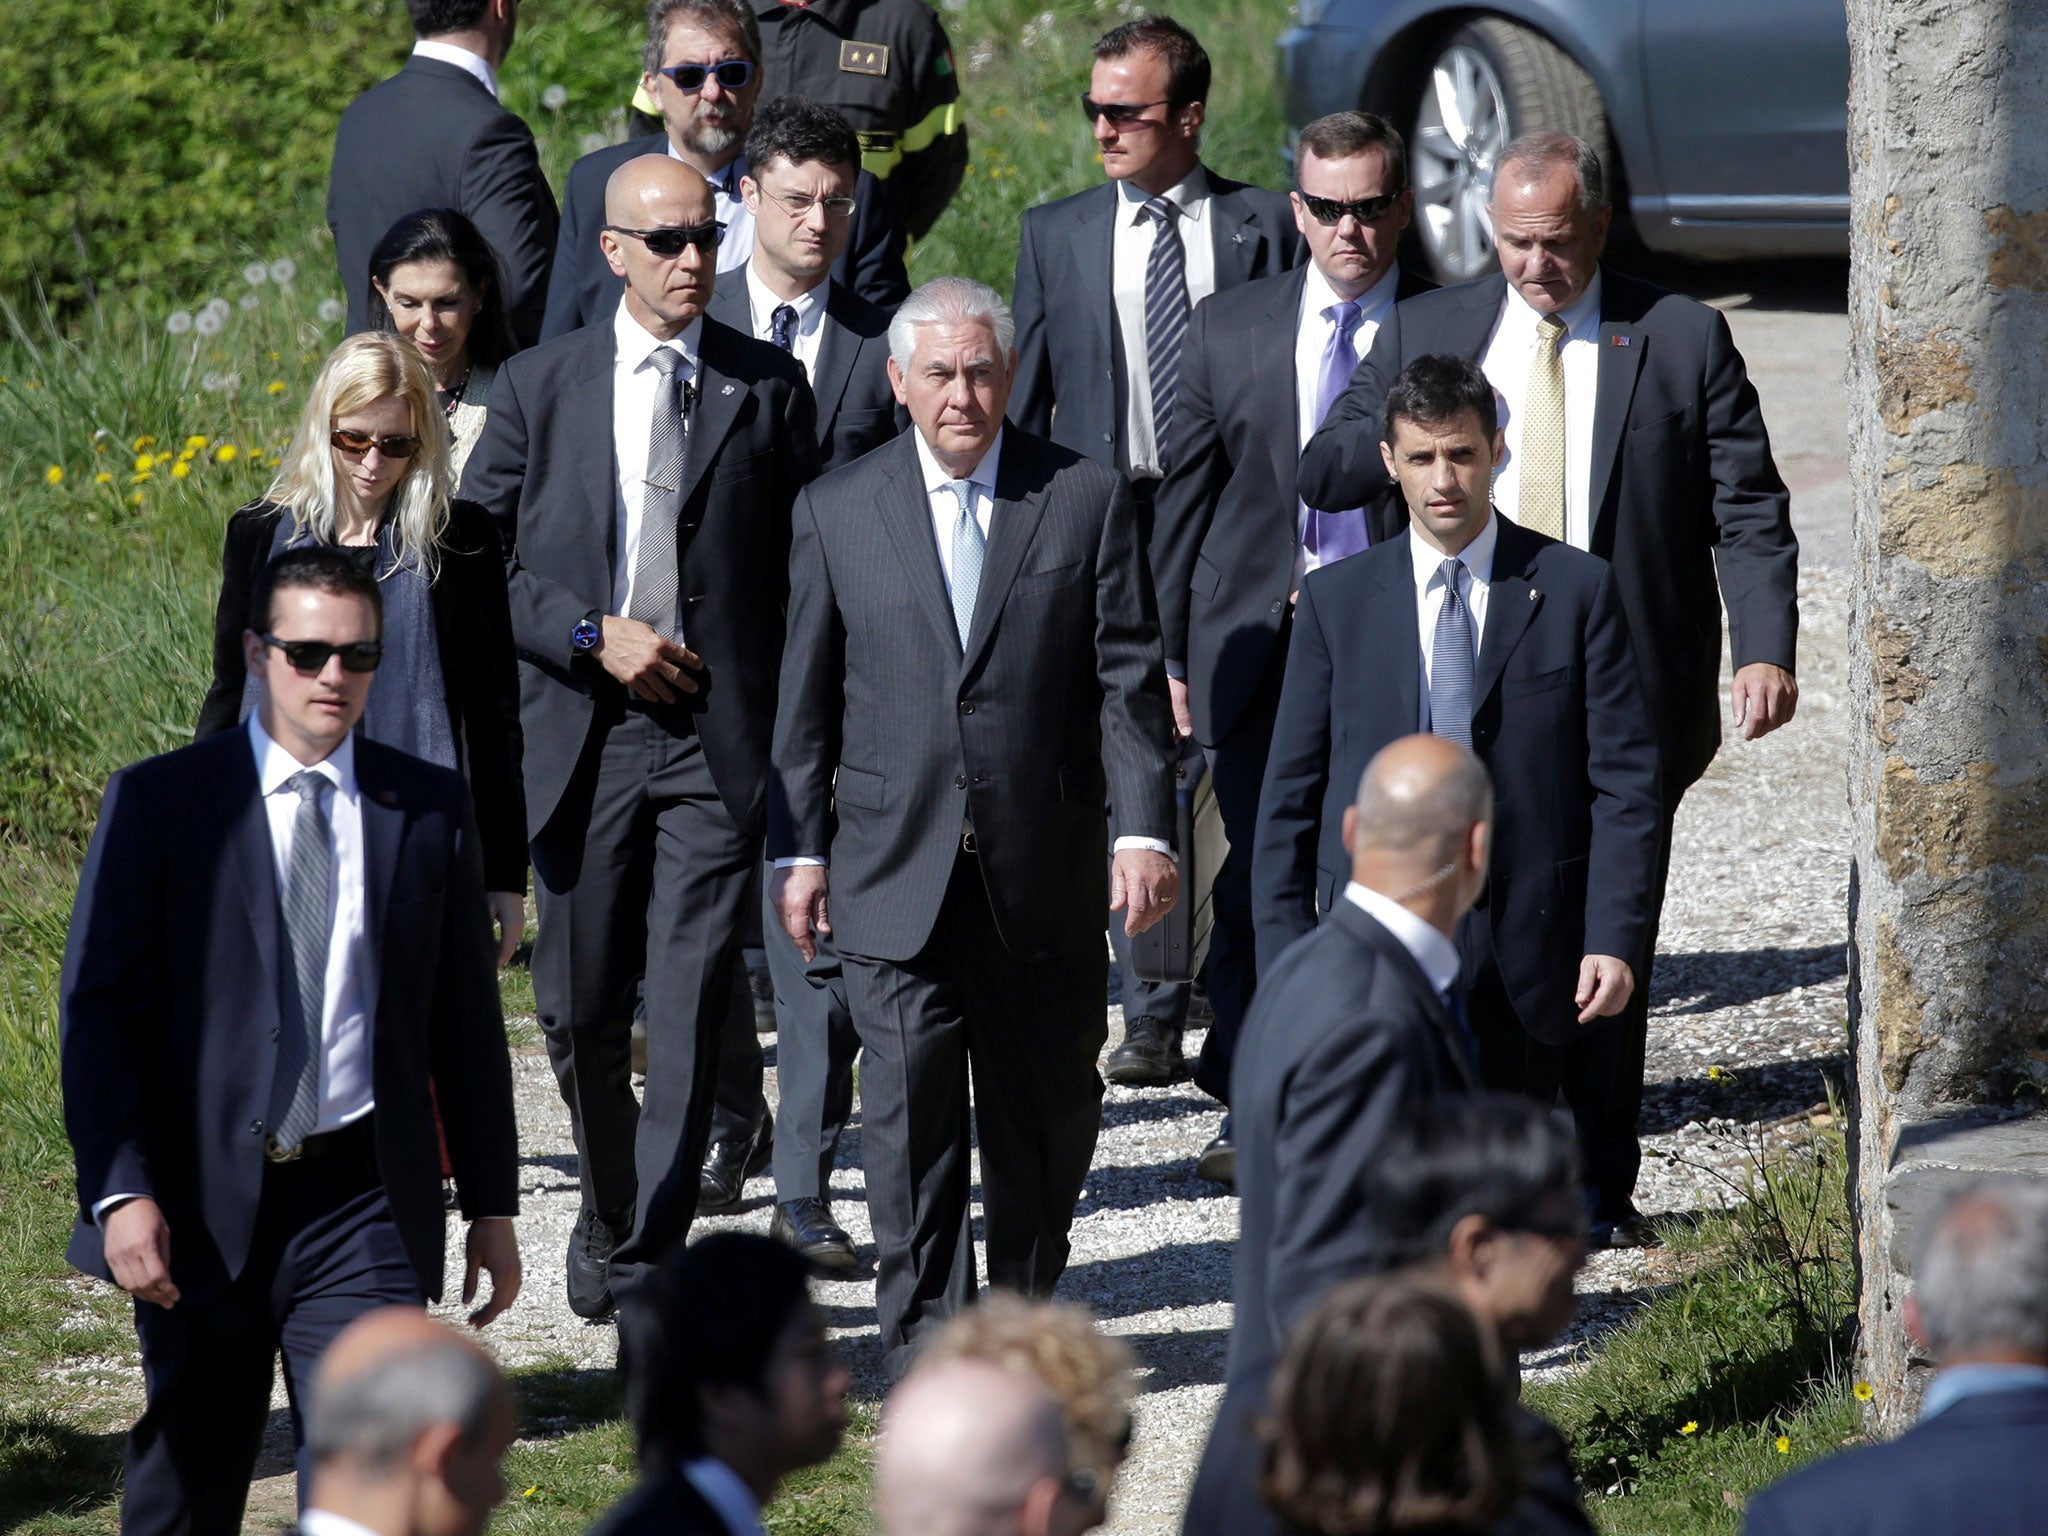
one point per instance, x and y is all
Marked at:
(703, 67)
(434, 136)
(731, 1386)
(1973, 1463)
(805, 160)
(1632, 431)
(641, 472)
(1106, 280)
(1230, 542)
(1481, 631)
(280, 942)
(973, 661)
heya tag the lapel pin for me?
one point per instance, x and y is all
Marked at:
(1534, 594)
(1622, 341)
(727, 390)
(1237, 238)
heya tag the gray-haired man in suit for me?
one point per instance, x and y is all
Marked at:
(973, 664)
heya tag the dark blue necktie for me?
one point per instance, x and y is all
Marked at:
(782, 327)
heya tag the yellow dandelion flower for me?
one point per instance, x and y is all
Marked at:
(143, 461)
(225, 453)
(1689, 1427)
(165, 457)
(1784, 1445)
(531, 1491)
(1864, 1391)
(54, 475)
(196, 442)
(99, 444)
(181, 469)
(140, 477)
(274, 356)
(274, 387)
(144, 442)
(135, 500)
(1717, 1074)
(104, 477)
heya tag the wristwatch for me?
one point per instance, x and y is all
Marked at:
(584, 637)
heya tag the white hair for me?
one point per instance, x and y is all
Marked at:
(372, 1417)
(951, 301)
(1980, 1268)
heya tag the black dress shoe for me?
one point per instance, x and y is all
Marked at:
(591, 1242)
(807, 1226)
(1621, 1227)
(1218, 1162)
(761, 987)
(1150, 1053)
(729, 1164)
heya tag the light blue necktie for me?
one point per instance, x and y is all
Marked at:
(970, 545)
(1450, 664)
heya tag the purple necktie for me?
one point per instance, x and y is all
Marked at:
(1330, 536)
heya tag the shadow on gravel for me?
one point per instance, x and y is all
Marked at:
(1168, 1277)
(1181, 1357)
(1145, 1107)
(1756, 1094)
(1145, 1186)
(1708, 980)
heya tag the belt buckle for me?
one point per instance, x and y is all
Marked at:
(278, 1154)
(967, 842)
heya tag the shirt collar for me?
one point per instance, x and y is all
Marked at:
(1581, 317)
(274, 765)
(1190, 195)
(473, 64)
(1373, 305)
(1477, 557)
(732, 1500)
(636, 343)
(727, 182)
(1951, 1386)
(1437, 955)
(808, 305)
(983, 474)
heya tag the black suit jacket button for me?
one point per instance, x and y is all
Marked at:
(255, 1127)
(1278, 606)
(967, 706)
(1108, 438)
(959, 781)
(276, 1034)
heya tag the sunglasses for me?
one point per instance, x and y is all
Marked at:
(671, 242)
(356, 444)
(1328, 210)
(731, 75)
(1121, 114)
(799, 205)
(310, 656)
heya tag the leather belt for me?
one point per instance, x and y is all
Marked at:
(351, 1140)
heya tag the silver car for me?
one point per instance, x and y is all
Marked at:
(1722, 123)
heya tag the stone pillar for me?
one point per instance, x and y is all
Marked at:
(1948, 781)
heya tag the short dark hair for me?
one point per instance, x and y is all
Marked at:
(709, 1316)
(1187, 66)
(801, 131)
(317, 568)
(1494, 1155)
(730, 15)
(442, 234)
(1390, 1413)
(1340, 135)
(1437, 389)
(433, 18)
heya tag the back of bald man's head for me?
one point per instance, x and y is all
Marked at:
(963, 1442)
(390, 1376)
(646, 179)
(1419, 795)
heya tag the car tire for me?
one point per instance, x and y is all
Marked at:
(1487, 83)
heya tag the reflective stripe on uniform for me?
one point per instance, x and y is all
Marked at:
(944, 119)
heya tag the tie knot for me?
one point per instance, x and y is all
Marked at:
(785, 314)
(963, 493)
(1161, 208)
(665, 360)
(1449, 572)
(1548, 329)
(308, 786)
(1343, 315)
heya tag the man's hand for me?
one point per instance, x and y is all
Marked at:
(491, 1248)
(799, 896)
(508, 911)
(1183, 717)
(1605, 986)
(647, 661)
(137, 1240)
(1763, 698)
(1143, 885)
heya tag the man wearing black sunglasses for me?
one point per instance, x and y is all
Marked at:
(641, 473)
(1231, 542)
(280, 938)
(702, 67)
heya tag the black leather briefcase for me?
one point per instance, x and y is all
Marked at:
(1173, 948)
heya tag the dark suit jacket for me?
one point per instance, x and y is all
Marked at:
(1225, 529)
(170, 1015)
(1061, 696)
(1974, 1468)
(432, 137)
(473, 628)
(1683, 484)
(667, 1504)
(857, 409)
(1070, 364)
(585, 289)
(545, 471)
(1557, 715)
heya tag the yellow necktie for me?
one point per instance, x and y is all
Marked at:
(1542, 447)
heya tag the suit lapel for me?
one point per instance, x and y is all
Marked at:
(837, 347)
(1237, 240)
(590, 409)
(1013, 524)
(718, 407)
(1369, 931)
(1092, 234)
(1273, 380)
(383, 830)
(907, 514)
(1511, 603)
(256, 873)
(1621, 359)
(1393, 649)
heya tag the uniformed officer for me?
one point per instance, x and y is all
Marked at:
(886, 66)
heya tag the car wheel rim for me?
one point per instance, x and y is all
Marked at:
(1460, 130)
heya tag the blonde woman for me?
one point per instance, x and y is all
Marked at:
(367, 472)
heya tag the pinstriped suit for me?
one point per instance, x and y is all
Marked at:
(991, 960)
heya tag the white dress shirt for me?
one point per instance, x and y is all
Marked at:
(1507, 359)
(634, 382)
(321, 1522)
(1130, 251)
(1312, 333)
(730, 209)
(730, 1499)
(810, 317)
(472, 63)
(1475, 578)
(1437, 955)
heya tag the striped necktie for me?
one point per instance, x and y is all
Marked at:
(1166, 317)
(308, 930)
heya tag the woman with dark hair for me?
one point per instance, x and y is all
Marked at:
(434, 281)
(1390, 1413)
